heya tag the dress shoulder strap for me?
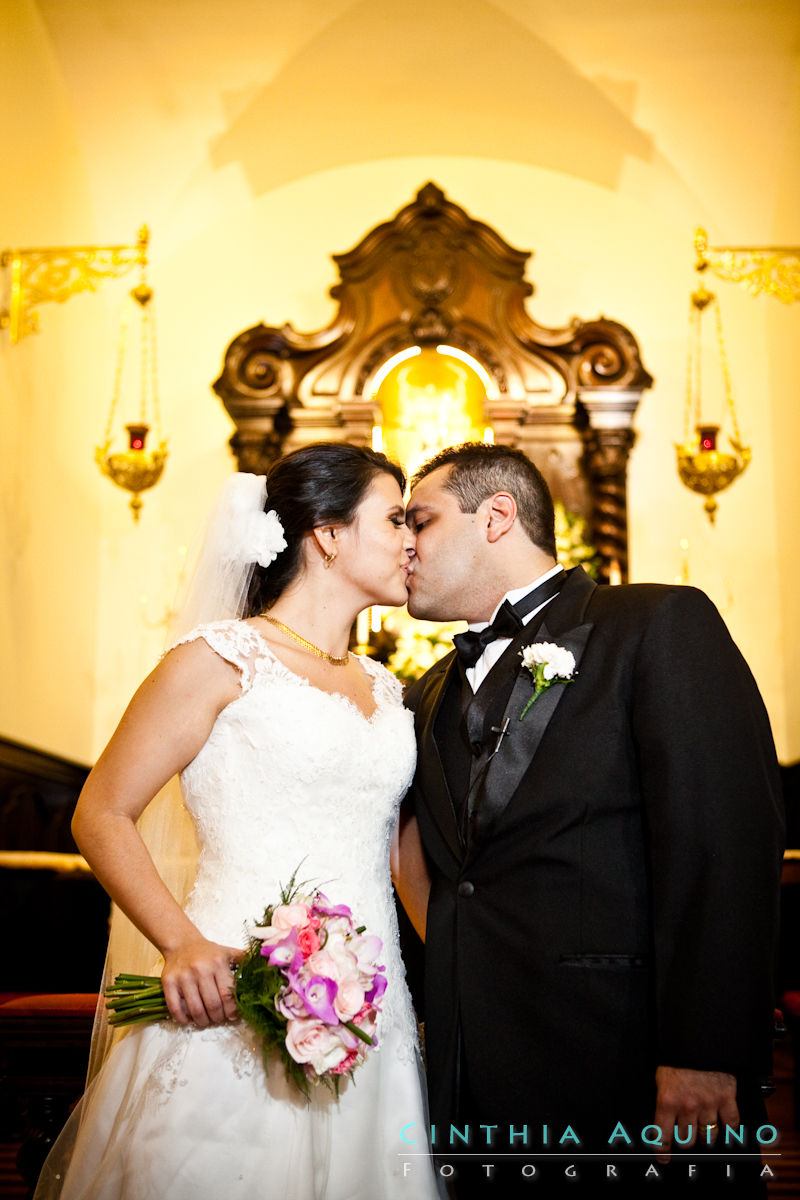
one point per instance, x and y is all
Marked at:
(386, 686)
(235, 641)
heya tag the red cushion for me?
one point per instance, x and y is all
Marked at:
(791, 1004)
(32, 1004)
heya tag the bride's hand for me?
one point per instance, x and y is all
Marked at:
(198, 983)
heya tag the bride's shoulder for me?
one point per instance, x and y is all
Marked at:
(234, 640)
(207, 647)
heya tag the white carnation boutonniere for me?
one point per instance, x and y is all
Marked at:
(548, 664)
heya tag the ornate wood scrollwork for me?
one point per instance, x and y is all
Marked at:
(432, 275)
(606, 459)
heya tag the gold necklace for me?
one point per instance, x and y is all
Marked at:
(331, 658)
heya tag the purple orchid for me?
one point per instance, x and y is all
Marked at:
(378, 988)
(318, 996)
(286, 954)
(322, 906)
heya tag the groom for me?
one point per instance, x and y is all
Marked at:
(604, 862)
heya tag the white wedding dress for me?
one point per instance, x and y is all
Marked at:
(290, 777)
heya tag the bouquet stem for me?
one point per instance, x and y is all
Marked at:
(359, 1032)
(136, 999)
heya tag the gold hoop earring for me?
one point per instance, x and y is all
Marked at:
(328, 561)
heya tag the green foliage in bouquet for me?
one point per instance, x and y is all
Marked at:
(256, 985)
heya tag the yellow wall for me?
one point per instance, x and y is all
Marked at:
(49, 519)
(257, 139)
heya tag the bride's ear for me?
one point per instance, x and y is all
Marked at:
(325, 538)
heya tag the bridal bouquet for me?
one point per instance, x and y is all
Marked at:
(309, 983)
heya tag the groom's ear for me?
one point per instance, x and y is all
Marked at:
(501, 513)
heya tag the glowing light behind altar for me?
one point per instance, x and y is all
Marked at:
(429, 398)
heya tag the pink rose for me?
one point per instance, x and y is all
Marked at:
(347, 1063)
(286, 916)
(310, 1041)
(308, 940)
(348, 1000)
(321, 963)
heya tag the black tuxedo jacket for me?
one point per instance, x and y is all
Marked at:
(611, 902)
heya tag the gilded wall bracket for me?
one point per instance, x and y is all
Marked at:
(773, 270)
(55, 273)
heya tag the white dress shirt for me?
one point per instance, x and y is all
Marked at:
(477, 673)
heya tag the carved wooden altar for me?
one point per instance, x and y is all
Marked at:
(432, 275)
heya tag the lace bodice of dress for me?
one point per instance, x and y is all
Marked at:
(294, 778)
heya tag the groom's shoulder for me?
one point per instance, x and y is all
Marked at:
(648, 596)
(415, 695)
(637, 604)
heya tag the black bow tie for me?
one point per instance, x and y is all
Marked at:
(508, 622)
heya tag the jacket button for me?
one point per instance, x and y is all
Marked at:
(466, 888)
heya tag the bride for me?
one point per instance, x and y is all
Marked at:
(291, 752)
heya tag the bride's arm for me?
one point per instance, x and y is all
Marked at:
(165, 725)
(410, 874)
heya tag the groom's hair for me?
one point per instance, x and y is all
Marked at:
(480, 469)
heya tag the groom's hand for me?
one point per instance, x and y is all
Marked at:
(701, 1100)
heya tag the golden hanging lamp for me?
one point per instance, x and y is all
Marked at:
(136, 469)
(701, 466)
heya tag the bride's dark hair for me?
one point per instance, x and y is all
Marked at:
(312, 486)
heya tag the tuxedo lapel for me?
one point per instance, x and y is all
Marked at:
(503, 769)
(430, 767)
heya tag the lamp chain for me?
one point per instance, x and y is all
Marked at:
(153, 371)
(693, 365)
(123, 341)
(726, 377)
(144, 372)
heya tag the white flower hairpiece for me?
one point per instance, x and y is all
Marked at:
(254, 536)
(260, 538)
